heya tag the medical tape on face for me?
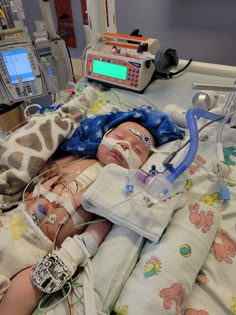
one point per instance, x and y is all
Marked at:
(132, 158)
(63, 200)
(145, 139)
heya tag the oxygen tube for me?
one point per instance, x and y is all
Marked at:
(191, 116)
(161, 184)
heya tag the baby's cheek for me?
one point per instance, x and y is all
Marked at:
(101, 153)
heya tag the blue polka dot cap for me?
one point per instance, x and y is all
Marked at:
(88, 135)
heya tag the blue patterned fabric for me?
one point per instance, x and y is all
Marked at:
(88, 136)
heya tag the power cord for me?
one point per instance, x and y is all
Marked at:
(169, 75)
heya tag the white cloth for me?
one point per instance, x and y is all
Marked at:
(22, 245)
(106, 197)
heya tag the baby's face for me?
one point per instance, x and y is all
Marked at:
(138, 138)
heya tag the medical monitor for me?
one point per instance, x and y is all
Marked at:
(20, 75)
(18, 65)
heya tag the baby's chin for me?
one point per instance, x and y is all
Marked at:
(115, 160)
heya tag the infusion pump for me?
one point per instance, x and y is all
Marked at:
(126, 72)
(28, 71)
(20, 75)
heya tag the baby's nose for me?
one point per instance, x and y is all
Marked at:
(124, 145)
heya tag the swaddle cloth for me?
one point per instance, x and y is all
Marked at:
(106, 197)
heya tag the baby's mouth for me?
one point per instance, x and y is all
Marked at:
(118, 155)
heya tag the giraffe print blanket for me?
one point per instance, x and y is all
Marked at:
(23, 153)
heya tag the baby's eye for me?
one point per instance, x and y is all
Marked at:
(117, 136)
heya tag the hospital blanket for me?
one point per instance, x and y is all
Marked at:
(24, 151)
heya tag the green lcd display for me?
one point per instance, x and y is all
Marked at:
(109, 69)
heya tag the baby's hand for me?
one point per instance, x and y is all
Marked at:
(52, 273)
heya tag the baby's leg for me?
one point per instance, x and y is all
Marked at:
(22, 297)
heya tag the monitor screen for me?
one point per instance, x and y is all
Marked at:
(110, 69)
(18, 65)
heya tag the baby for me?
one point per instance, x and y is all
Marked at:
(55, 220)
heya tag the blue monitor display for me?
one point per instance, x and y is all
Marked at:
(18, 65)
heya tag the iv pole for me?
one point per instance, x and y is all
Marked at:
(101, 18)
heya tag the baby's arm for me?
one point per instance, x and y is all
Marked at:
(22, 297)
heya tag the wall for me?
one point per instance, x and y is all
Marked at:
(33, 13)
(204, 30)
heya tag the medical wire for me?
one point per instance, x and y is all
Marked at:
(27, 117)
(103, 95)
(52, 169)
(64, 220)
(61, 166)
(76, 227)
(72, 285)
(222, 125)
(52, 306)
(152, 104)
(40, 175)
(173, 154)
(61, 224)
